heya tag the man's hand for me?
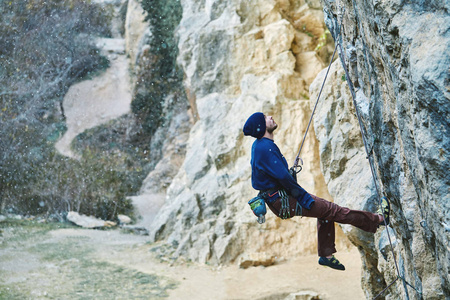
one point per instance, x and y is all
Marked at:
(293, 172)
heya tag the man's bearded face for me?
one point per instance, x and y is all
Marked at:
(271, 125)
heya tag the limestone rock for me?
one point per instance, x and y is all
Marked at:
(137, 31)
(238, 59)
(256, 259)
(123, 219)
(397, 56)
(304, 295)
(111, 45)
(138, 230)
(88, 221)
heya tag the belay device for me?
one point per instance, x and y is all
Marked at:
(258, 207)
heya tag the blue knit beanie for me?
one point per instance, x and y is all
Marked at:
(255, 125)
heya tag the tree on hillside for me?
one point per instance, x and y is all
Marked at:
(44, 48)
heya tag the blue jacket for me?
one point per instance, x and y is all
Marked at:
(270, 171)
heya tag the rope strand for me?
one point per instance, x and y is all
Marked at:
(295, 166)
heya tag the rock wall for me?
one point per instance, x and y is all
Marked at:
(398, 61)
(240, 57)
(137, 32)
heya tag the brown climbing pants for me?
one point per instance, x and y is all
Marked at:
(327, 213)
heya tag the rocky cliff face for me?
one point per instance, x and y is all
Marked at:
(397, 56)
(240, 57)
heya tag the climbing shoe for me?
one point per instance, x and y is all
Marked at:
(331, 262)
(384, 210)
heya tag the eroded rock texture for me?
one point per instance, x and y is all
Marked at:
(398, 58)
(240, 57)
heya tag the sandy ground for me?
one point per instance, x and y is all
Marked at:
(231, 282)
(198, 282)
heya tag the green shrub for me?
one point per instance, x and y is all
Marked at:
(161, 77)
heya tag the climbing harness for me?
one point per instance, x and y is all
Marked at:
(269, 197)
(370, 158)
(284, 210)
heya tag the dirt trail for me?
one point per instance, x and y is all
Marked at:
(99, 100)
(74, 263)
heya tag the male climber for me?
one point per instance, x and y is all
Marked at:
(286, 198)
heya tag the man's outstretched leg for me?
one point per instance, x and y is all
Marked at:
(327, 213)
(326, 210)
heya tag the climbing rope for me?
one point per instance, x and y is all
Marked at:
(370, 158)
(296, 167)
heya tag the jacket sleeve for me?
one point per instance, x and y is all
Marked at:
(271, 163)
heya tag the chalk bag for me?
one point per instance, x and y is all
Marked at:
(258, 206)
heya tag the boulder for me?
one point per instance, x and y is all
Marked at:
(123, 220)
(256, 259)
(88, 221)
(303, 295)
